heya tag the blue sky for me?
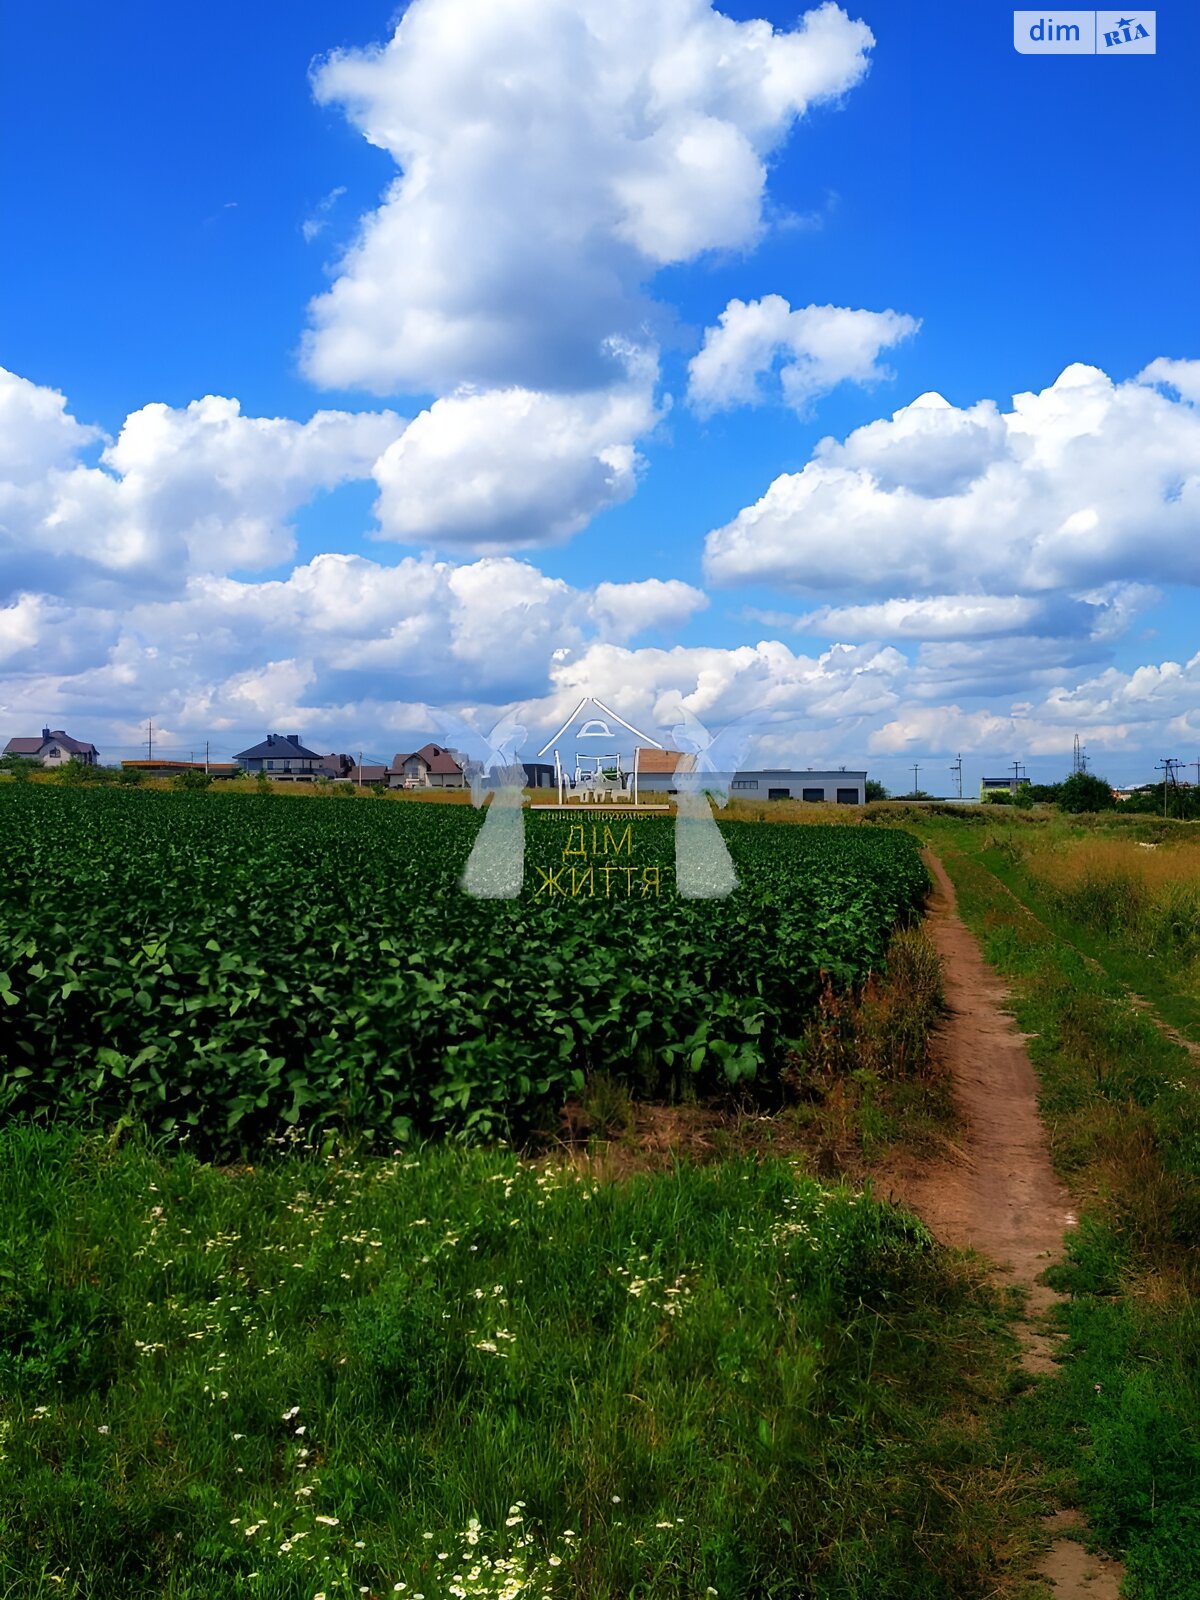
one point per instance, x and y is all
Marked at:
(183, 186)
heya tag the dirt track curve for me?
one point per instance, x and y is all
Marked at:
(998, 1194)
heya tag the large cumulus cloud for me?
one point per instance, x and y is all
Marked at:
(1087, 482)
(553, 155)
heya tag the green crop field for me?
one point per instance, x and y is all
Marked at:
(222, 964)
(325, 1351)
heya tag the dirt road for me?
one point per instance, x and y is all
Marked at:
(998, 1194)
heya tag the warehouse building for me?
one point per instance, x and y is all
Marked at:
(657, 770)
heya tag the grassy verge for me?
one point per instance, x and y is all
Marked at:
(1124, 892)
(858, 1083)
(456, 1373)
(1119, 1430)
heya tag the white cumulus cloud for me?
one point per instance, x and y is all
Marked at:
(817, 347)
(1087, 482)
(515, 468)
(201, 488)
(623, 610)
(37, 432)
(553, 154)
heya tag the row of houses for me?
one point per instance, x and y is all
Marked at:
(284, 757)
(647, 769)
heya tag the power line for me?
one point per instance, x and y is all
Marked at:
(956, 768)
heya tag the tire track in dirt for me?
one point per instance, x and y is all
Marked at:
(999, 1195)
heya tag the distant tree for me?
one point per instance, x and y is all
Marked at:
(876, 791)
(1084, 791)
(130, 776)
(1182, 801)
(998, 797)
(1044, 792)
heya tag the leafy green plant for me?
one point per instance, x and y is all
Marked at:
(229, 969)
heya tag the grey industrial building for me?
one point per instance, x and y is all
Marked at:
(771, 783)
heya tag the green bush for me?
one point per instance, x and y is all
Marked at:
(192, 779)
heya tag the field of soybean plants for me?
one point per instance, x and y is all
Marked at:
(225, 966)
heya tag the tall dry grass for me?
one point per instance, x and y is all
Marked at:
(1146, 894)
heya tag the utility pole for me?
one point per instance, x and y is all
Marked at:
(956, 769)
(150, 740)
(206, 758)
(1167, 767)
(916, 769)
(360, 769)
(1016, 766)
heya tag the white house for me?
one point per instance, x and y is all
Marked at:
(53, 749)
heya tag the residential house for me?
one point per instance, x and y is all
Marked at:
(53, 749)
(335, 766)
(281, 755)
(368, 773)
(430, 767)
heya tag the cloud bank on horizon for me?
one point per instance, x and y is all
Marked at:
(511, 311)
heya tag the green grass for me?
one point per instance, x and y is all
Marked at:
(1153, 953)
(725, 1378)
(1119, 1430)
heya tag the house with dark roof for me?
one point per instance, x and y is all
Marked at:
(430, 767)
(281, 755)
(377, 775)
(53, 749)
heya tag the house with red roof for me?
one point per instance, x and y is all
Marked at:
(430, 767)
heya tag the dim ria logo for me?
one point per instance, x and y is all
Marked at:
(601, 765)
(1084, 33)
